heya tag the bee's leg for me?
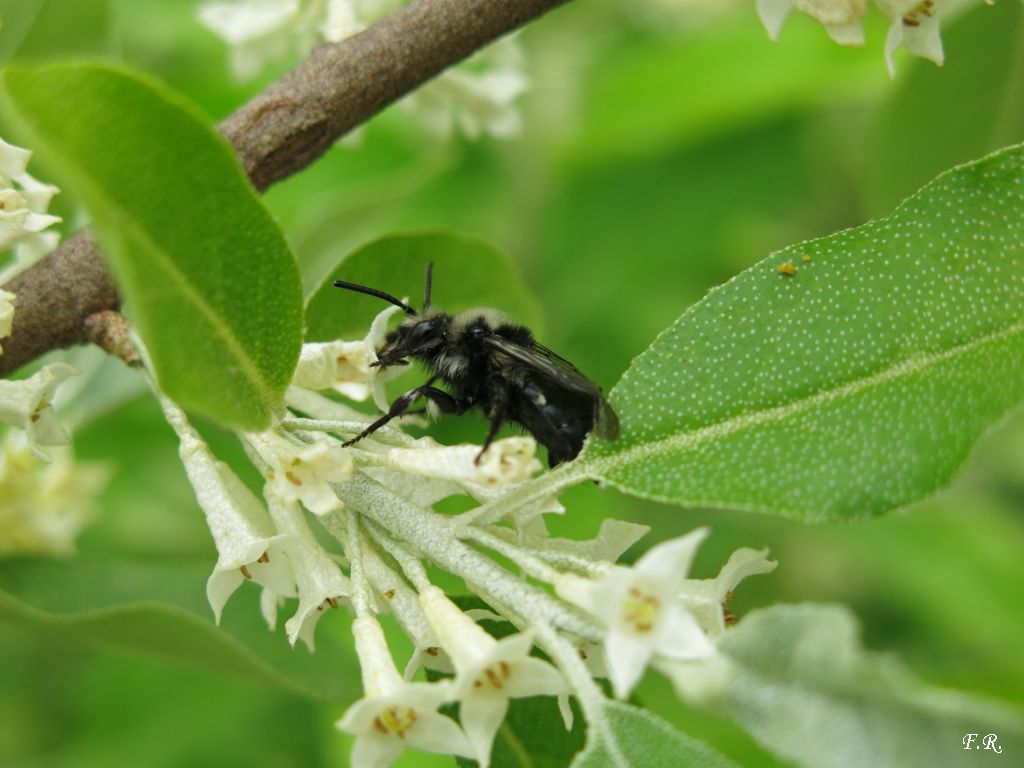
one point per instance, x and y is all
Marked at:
(442, 399)
(497, 394)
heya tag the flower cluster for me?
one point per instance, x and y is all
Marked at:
(914, 23)
(376, 498)
(477, 97)
(45, 506)
(24, 222)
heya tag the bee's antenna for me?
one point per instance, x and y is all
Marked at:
(426, 291)
(374, 292)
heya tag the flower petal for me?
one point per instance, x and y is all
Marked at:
(773, 15)
(534, 677)
(626, 656)
(481, 717)
(679, 636)
(669, 562)
(373, 750)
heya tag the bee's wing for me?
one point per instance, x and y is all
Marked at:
(547, 363)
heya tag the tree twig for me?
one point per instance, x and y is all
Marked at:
(277, 133)
(53, 298)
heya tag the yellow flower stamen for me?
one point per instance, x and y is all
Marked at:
(396, 720)
(640, 611)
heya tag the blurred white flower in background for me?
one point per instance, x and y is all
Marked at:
(841, 18)
(43, 507)
(915, 23)
(476, 97)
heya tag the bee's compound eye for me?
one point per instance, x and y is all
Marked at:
(420, 332)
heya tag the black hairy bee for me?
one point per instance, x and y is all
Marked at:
(496, 366)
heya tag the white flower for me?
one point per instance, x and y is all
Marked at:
(841, 18)
(6, 315)
(317, 578)
(248, 546)
(488, 672)
(915, 26)
(705, 598)
(43, 507)
(276, 549)
(394, 714)
(641, 612)
(262, 31)
(27, 404)
(347, 366)
(258, 31)
(23, 216)
(479, 97)
(507, 461)
(915, 23)
(303, 471)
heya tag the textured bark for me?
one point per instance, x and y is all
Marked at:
(53, 298)
(279, 132)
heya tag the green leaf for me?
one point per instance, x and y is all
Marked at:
(46, 29)
(854, 386)
(935, 118)
(633, 738)
(467, 273)
(157, 607)
(806, 689)
(206, 274)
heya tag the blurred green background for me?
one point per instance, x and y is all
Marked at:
(665, 148)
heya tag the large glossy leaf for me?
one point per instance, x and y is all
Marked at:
(855, 385)
(206, 273)
(157, 607)
(629, 737)
(807, 690)
(467, 273)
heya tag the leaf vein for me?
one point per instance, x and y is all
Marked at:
(903, 368)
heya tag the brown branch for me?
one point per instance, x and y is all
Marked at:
(53, 298)
(279, 132)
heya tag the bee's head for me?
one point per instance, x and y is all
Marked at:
(420, 334)
(417, 336)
